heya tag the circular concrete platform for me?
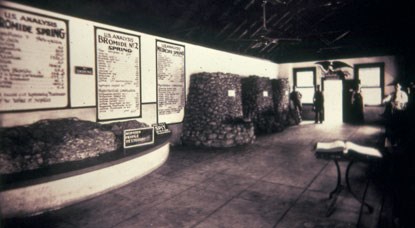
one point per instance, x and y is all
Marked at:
(30, 196)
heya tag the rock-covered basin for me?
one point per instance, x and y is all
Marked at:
(53, 186)
(53, 141)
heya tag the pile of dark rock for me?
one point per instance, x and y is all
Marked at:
(213, 114)
(258, 103)
(225, 110)
(280, 94)
(53, 141)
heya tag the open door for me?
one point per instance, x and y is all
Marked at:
(333, 101)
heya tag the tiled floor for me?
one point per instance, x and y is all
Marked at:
(275, 182)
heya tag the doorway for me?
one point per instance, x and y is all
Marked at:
(333, 101)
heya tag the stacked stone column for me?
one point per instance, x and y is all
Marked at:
(258, 103)
(280, 88)
(213, 113)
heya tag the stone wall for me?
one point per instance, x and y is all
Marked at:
(213, 113)
(280, 88)
(258, 103)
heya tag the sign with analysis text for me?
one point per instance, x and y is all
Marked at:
(33, 61)
(171, 90)
(117, 74)
(138, 137)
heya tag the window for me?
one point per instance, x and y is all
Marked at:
(371, 78)
(304, 81)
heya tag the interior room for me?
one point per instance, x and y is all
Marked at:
(236, 113)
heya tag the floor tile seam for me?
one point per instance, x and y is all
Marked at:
(173, 170)
(160, 202)
(236, 196)
(184, 184)
(196, 165)
(221, 173)
(258, 179)
(216, 157)
(157, 176)
(236, 175)
(213, 157)
(218, 173)
(153, 206)
(288, 185)
(262, 180)
(217, 192)
(217, 209)
(316, 191)
(180, 162)
(231, 159)
(128, 198)
(283, 184)
(121, 195)
(278, 146)
(191, 167)
(299, 196)
(193, 184)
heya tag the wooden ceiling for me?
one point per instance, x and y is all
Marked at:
(320, 29)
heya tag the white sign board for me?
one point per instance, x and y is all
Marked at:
(171, 94)
(118, 75)
(33, 61)
(138, 137)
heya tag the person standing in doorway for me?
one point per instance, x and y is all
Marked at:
(357, 104)
(296, 106)
(318, 105)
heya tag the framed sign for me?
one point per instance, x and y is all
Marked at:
(138, 137)
(118, 75)
(171, 77)
(84, 70)
(34, 61)
(161, 128)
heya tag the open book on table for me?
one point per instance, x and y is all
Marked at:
(345, 148)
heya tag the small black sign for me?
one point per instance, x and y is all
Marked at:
(331, 76)
(138, 137)
(161, 128)
(83, 70)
